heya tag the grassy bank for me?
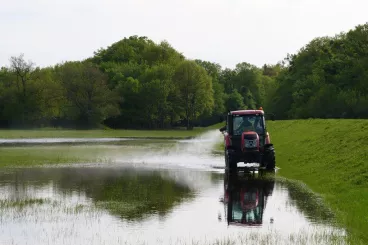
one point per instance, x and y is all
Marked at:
(100, 133)
(331, 157)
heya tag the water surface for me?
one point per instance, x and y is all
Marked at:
(171, 194)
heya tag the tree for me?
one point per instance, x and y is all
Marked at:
(23, 71)
(89, 100)
(234, 101)
(194, 90)
(152, 66)
(214, 71)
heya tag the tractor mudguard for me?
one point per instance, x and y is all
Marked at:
(266, 146)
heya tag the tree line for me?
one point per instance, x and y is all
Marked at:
(136, 83)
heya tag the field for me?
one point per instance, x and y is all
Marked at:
(330, 156)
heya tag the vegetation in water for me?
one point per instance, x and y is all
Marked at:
(127, 194)
(132, 197)
(22, 203)
(136, 83)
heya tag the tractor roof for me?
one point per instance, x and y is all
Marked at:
(247, 112)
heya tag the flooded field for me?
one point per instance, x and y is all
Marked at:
(156, 192)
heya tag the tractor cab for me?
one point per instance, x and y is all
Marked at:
(245, 200)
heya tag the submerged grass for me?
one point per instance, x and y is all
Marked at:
(309, 203)
(22, 203)
(134, 196)
(266, 238)
(274, 238)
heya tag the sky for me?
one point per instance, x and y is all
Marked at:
(223, 31)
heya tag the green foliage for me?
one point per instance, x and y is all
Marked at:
(141, 72)
(329, 73)
(194, 90)
(214, 70)
(88, 98)
(137, 83)
(234, 101)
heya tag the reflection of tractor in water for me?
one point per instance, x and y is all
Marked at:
(245, 200)
(247, 140)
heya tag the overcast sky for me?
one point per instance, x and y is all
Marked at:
(223, 31)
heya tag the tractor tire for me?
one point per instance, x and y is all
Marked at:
(269, 159)
(226, 161)
(230, 165)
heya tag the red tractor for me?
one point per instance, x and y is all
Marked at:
(245, 200)
(247, 140)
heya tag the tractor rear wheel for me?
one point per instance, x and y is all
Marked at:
(269, 160)
(271, 163)
(231, 165)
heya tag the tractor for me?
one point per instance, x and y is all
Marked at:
(246, 140)
(245, 199)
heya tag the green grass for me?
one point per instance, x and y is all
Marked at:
(100, 133)
(25, 156)
(331, 157)
(39, 155)
(5, 203)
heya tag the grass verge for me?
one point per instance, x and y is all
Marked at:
(331, 157)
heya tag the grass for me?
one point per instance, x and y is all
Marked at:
(40, 155)
(309, 203)
(331, 157)
(273, 238)
(6, 203)
(100, 133)
(32, 155)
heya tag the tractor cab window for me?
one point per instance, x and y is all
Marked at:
(247, 209)
(243, 123)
